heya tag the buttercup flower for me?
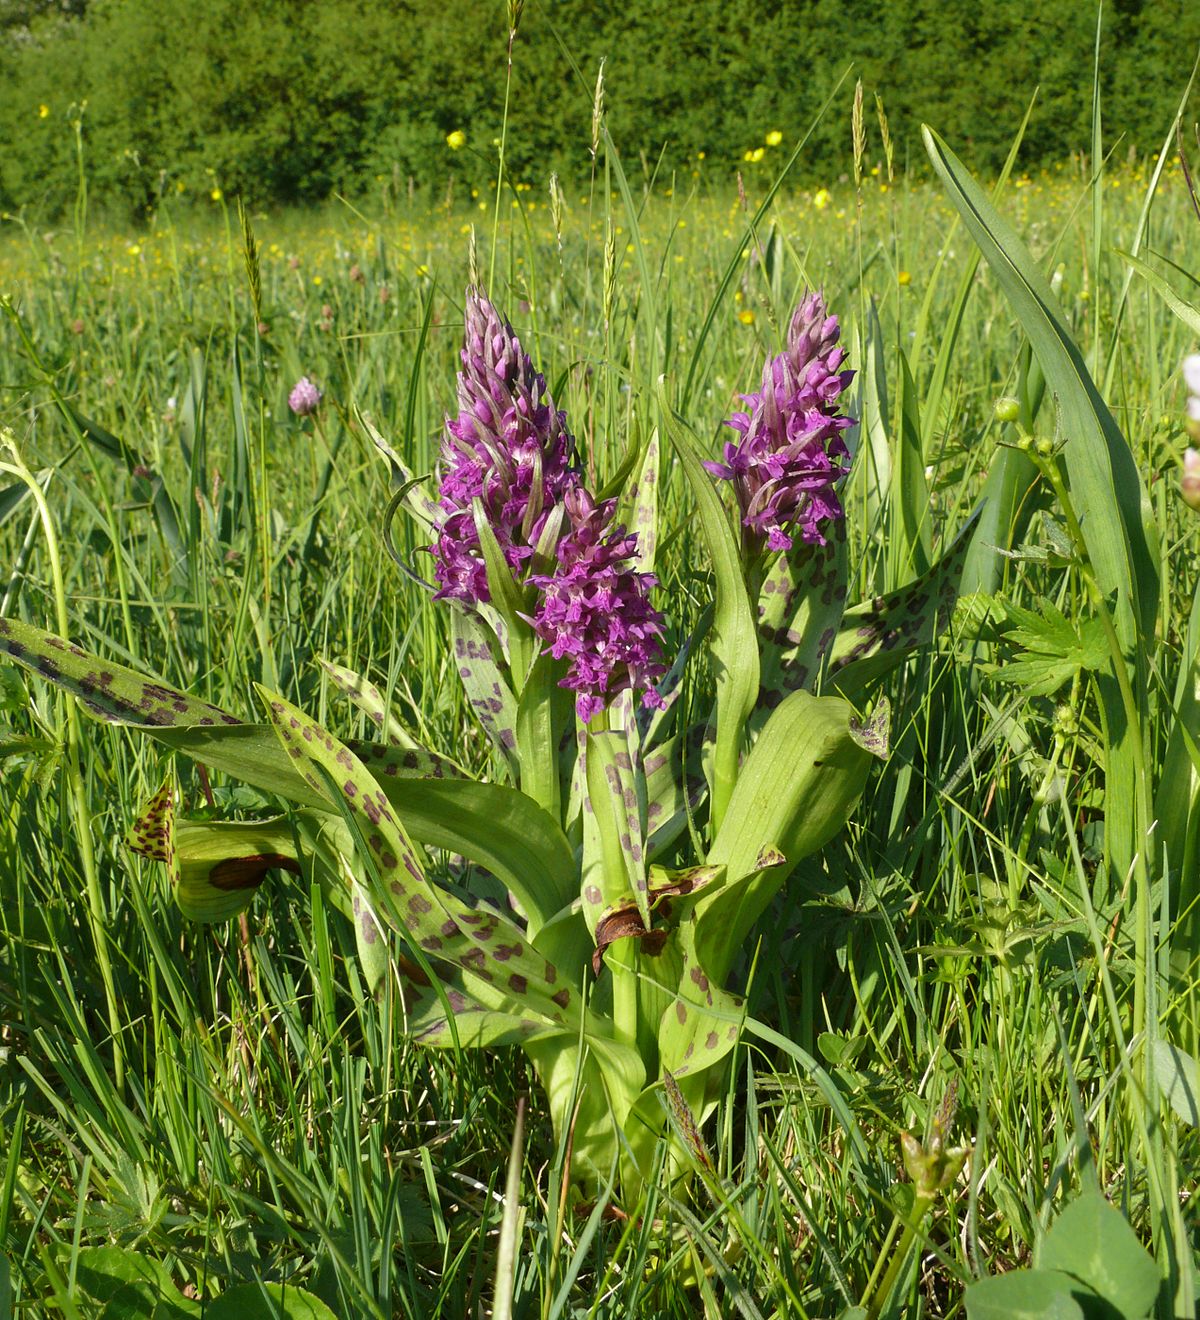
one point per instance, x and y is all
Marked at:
(305, 397)
(595, 612)
(456, 140)
(773, 138)
(791, 451)
(509, 447)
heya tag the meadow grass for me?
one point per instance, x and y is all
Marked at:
(238, 1107)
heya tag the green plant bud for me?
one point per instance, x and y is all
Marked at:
(1006, 409)
(1045, 447)
(1189, 480)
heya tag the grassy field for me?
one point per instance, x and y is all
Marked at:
(995, 939)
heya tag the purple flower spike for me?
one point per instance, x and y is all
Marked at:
(305, 397)
(508, 447)
(791, 451)
(593, 609)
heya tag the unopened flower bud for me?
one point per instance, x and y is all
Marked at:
(1045, 447)
(1189, 480)
(1006, 409)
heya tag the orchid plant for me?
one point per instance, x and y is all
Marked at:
(636, 855)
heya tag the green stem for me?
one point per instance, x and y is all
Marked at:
(878, 1296)
(69, 733)
(512, 36)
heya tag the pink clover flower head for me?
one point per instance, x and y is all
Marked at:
(508, 447)
(305, 398)
(594, 610)
(790, 453)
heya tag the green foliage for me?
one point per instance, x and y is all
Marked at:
(292, 102)
(1090, 1264)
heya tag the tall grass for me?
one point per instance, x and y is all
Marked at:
(228, 1100)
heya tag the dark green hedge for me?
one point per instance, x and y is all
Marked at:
(289, 100)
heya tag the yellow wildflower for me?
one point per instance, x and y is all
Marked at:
(456, 140)
(774, 138)
(216, 194)
(43, 111)
(746, 316)
(903, 279)
(821, 199)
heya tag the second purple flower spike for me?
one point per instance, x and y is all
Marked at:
(791, 451)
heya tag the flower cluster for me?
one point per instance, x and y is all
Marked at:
(593, 609)
(791, 453)
(305, 397)
(509, 449)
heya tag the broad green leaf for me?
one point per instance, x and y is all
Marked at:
(672, 792)
(1104, 479)
(1179, 1080)
(131, 1286)
(544, 710)
(502, 969)
(877, 636)
(590, 1096)
(797, 788)
(909, 510)
(733, 644)
(267, 1301)
(1092, 1243)
(1023, 1295)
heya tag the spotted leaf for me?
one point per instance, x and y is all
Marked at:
(801, 605)
(877, 636)
(484, 682)
(503, 970)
